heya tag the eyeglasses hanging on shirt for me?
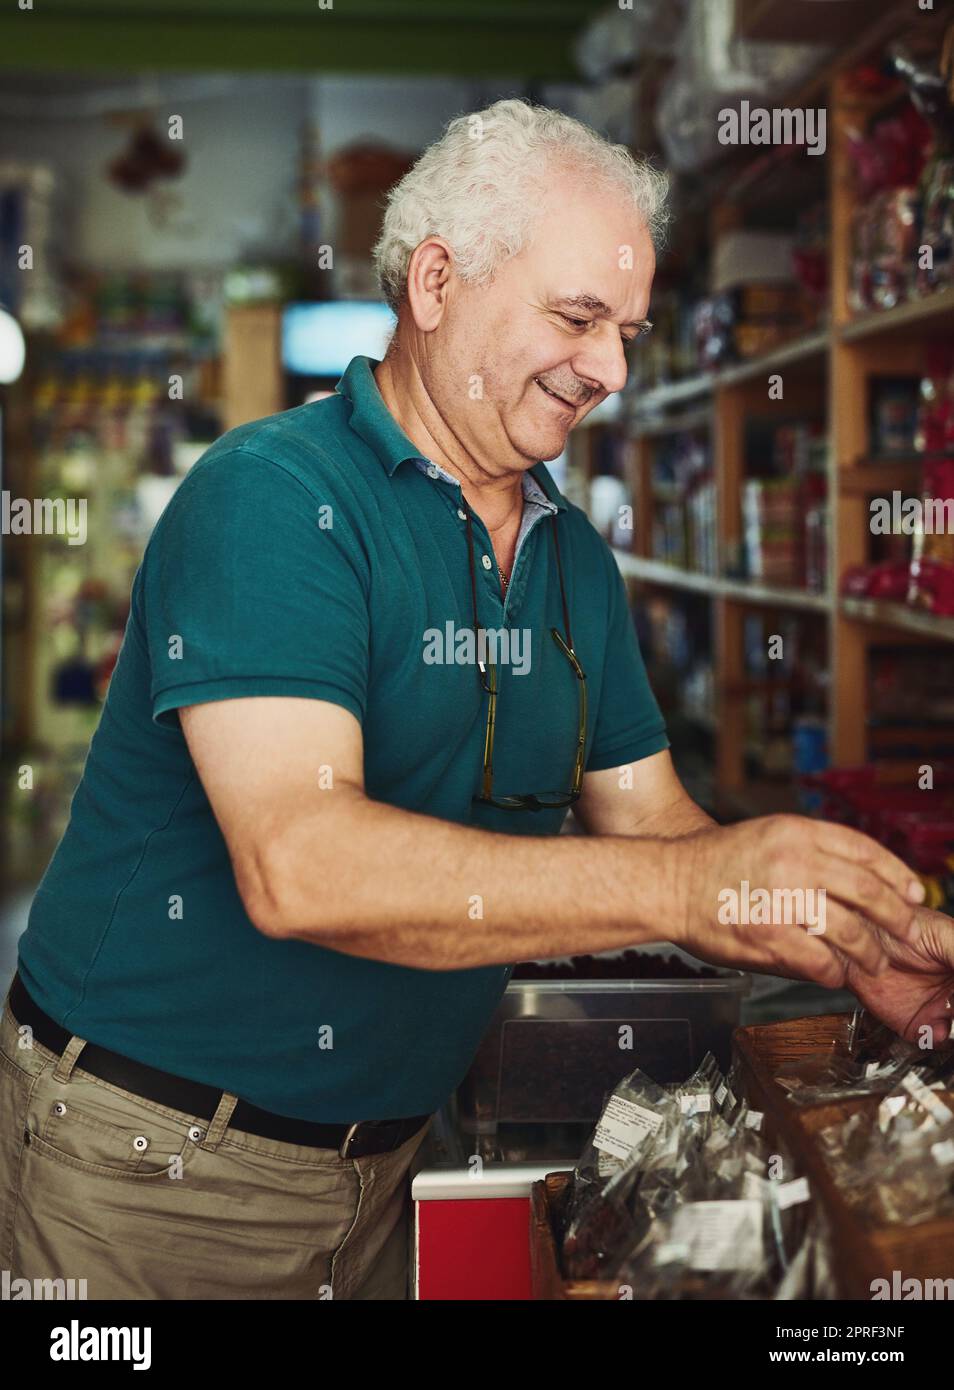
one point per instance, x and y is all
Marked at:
(487, 676)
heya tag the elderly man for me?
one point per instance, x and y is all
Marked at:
(302, 857)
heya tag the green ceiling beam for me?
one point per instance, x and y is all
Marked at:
(541, 12)
(531, 41)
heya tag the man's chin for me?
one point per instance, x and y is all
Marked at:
(545, 445)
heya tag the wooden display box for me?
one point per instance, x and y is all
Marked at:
(861, 1253)
(547, 1205)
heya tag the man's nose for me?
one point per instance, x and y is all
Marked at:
(602, 359)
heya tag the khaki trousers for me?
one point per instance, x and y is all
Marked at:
(145, 1202)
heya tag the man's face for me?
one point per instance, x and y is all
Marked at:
(515, 364)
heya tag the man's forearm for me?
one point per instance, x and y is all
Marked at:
(392, 885)
(683, 817)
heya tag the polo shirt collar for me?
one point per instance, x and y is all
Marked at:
(370, 417)
(374, 423)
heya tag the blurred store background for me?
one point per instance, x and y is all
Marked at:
(199, 188)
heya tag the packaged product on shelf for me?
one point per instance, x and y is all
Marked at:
(888, 164)
(937, 224)
(816, 546)
(772, 524)
(811, 257)
(932, 548)
(894, 416)
(934, 429)
(713, 323)
(931, 95)
(684, 516)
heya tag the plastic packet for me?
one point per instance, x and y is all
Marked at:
(869, 1061)
(633, 1164)
(599, 1219)
(632, 1114)
(692, 1203)
(896, 1165)
(696, 1096)
(712, 1248)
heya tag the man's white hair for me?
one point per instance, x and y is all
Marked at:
(482, 184)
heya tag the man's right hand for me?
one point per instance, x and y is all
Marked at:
(785, 854)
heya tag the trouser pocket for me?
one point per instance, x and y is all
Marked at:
(15, 1087)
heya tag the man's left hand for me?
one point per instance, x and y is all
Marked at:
(919, 979)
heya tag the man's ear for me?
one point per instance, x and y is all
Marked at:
(428, 276)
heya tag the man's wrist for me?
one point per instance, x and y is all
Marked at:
(677, 861)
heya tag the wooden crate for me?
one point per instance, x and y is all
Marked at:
(861, 1253)
(547, 1204)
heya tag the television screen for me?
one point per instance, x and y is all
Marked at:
(321, 339)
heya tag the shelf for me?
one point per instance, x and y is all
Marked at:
(858, 480)
(688, 420)
(663, 398)
(801, 350)
(659, 572)
(746, 591)
(740, 590)
(898, 615)
(913, 313)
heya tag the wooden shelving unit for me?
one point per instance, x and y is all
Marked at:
(671, 577)
(826, 373)
(915, 313)
(900, 617)
(813, 345)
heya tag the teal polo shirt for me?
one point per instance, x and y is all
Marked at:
(314, 553)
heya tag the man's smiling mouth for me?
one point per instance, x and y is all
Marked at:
(562, 400)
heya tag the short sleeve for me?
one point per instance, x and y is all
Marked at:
(252, 585)
(629, 724)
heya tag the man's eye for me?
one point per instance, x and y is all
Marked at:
(577, 323)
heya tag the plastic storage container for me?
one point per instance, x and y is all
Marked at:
(554, 1048)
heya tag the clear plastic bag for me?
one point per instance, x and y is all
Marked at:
(599, 1219)
(896, 1166)
(729, 1230)
(870, 1061)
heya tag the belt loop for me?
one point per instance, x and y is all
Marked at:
(220, 1121)
(64, 1067)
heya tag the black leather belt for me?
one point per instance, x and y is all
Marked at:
(195, 1098)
